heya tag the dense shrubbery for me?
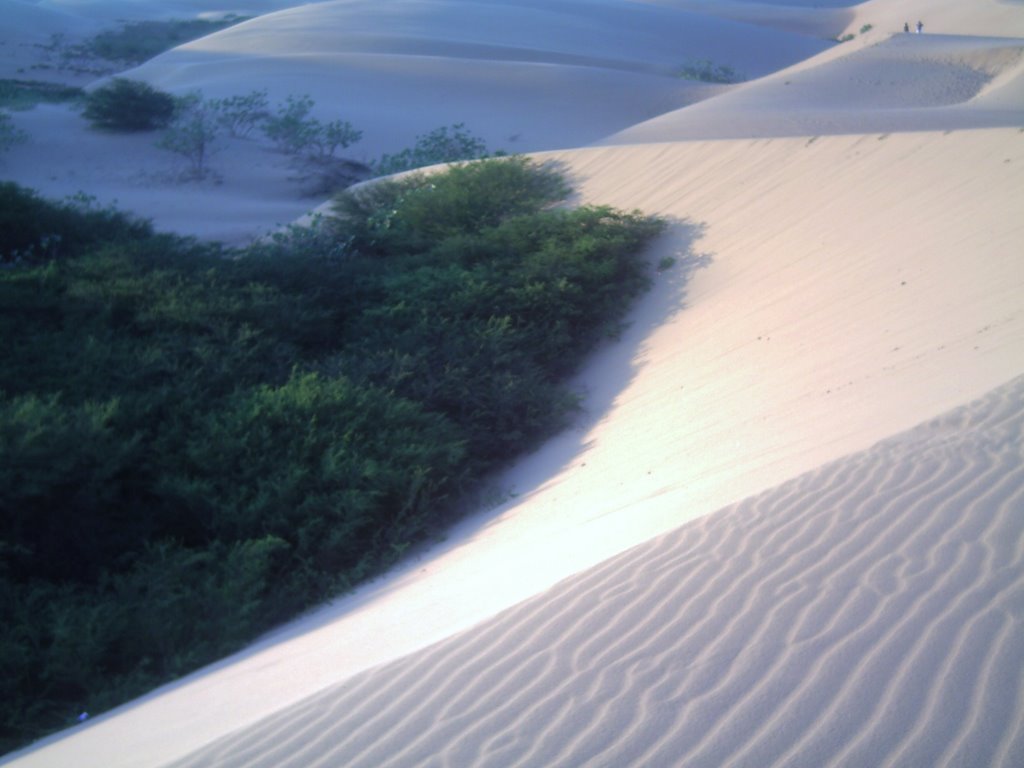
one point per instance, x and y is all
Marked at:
(194, 447)
(34, 230)
(129, 105)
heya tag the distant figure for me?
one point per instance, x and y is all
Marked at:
(920, 27)
(906, 26)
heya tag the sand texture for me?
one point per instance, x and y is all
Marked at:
(870, 612)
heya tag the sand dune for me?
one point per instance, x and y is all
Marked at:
(866, 613)
(825, 569)
(402, 68)
(905, 82)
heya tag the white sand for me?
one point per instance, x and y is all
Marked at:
(850, 266)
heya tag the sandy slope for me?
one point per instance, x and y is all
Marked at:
(870, 612)
(832, 288)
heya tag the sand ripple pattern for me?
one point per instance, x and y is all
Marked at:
(870, 613)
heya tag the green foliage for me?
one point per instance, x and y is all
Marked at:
(866, 28)
(418, 211)
(195, 447)
(238, 115)
(295, 132)
(10, 134)
(442, 145)
(34, 230)
(140, 41)
(845, 38)
(129, 105)
(707, 71)
(25, 94)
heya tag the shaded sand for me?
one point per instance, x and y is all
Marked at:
(870, 612)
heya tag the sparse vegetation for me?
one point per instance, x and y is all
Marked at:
(866, 28)
(708, 72)
(193, 133)
(25, 94)
(9, 133)
(845, 38)
(140, 41)
(195, 447)
(129, 105)
(442, 145)
(315, 144)
(238, 115)
(296, 132)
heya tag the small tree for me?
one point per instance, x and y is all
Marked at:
(295, 132)
(315, 145)
(193, 133)
(292, 128)
(129, 105)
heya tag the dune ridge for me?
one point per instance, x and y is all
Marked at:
(866, 613)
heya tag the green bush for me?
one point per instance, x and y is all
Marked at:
(36, 230)
(196, 444)
(707, 71)
(129, 105)
(238, 115)
(442, 145)
(295, 132)
(418, 211)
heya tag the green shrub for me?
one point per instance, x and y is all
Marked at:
(238, 115)
(295, 132)
(129, 105)
(418, 211)
(707, 71)
(442, 145)
(36, 230)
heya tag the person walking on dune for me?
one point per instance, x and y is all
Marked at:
(920, 27)
(906, 26)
